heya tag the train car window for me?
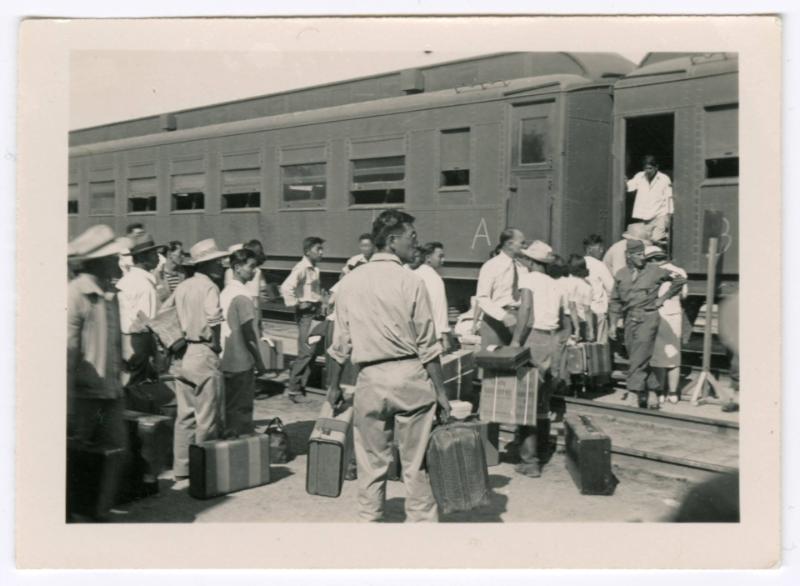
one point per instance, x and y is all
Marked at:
(188, 192)
(455, 155)
(722, 141)
(534, 141)
(304, 185)
(72, 198)
(380, 180)
(101, 198)
(142, 194)
(241, 188)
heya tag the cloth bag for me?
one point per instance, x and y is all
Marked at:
(280, 450)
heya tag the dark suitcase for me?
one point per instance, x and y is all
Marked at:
(598, 360)
(150, 439)
(588, 452)
(502, 358)
(93, 476)
(457, 467)
(220, 467)
(279, 442)
(329, 452)
(157, 398)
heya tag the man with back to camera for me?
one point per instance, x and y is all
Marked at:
(654, 204)
(634, 303)
(303, 291)
(137, 292)
(384, 324)
(498, 290)
(199, 384)
(433, 259)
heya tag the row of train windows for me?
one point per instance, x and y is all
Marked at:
(374, 181)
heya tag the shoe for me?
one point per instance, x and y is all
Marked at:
(730, 407)
(529, 470)
(661, 399)
(181, 483)
(654, 406)
(673, 398)
(297, 398)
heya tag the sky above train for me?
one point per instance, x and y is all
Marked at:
(109, 86)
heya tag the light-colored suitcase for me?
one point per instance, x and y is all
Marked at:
(330, 449)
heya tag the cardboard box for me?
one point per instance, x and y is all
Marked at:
(510, 397)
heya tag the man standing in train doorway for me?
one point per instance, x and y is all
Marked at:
(498, 290)
(302, 290)
(385, 325)
(653, 205)
(635, 302)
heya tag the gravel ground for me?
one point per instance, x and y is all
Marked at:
(640, 495)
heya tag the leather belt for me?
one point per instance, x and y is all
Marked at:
(363, 365)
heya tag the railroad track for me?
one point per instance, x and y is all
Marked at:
(675, 445)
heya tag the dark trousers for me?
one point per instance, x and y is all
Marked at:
(640, 338)
(306, 354)
(137, 352)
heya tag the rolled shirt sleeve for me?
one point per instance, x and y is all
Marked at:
(342, 346)
(289, 286)
(486, 280)
(428, 347)
(212, 308)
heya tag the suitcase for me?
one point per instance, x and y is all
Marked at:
(510, 398)
(93, 476)
(457, 467)
(329, 452)
(271, 353)
(458, 369)
(502, 358)
(150, 440)
(157, 398)
(575, 359)
(588, 452)
(598, 360)
(220, 467)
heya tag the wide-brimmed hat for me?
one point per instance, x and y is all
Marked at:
(637, 231)
(654, 252)
(204, 251)
(540, 252)
(96, 242)
(141, 242)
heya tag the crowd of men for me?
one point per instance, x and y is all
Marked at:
(389, 314)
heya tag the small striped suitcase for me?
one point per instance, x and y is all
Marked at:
(220, 467)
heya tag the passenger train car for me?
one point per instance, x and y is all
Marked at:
(541, 141)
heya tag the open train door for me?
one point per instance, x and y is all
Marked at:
(530, 200)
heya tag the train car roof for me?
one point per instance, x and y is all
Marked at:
(657, 67)
(540, 85)
(429, 78)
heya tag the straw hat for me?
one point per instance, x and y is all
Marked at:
(540, 252)
(637, 231)
(96, 242)
(205, 251)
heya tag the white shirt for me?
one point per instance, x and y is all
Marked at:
(353, 262)
(599, 270)
(434, 284)
(237, 309)
(496, 285)
(579, 292)
(302, 284)
(653, 198)
(616, 257)
(672, 306)
(137, 292)
(253, 286)
(548, 299)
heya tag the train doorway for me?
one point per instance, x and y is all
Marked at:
(648, 135)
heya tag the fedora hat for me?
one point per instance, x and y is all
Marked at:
(96, 242)
(141, 242)
(204, 251)
(637, 231)
(540, 252)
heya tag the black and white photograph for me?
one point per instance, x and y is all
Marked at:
(471, 284)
